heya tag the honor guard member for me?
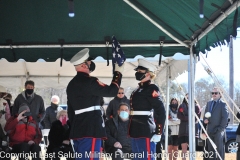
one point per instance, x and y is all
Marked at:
(145, 129)
(84, 95)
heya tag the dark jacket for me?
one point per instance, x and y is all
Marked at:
(50, 116)
(57, 135)
(238, 129)
(83, 92)
(146, 98)
(113, 106)
(113, 130)
(183, 116)
(219, 117)
(35, 104)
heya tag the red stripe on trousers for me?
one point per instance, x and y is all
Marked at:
(93, 147)
(148, 148)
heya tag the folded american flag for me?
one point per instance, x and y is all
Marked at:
(117, 52)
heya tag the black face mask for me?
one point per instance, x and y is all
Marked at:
(29, 91)
(174, 106)
(139, 76)
(55, 106)
(91, 67)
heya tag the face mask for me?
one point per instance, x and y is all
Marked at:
(63, 120)
(174, 106)
(123, 115)
(91, 67)
(54, 105)
(29, 91)
(139, 76)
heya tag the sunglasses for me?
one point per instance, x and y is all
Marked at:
(120, 93)
(215, 93)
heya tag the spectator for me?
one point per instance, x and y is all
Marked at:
(24, 134)
(183, 134)
(174, 129)
(117, 133)
(51, 112)
(50, 115)
(34, 101)
(216, 123)
(61, 128)
(238, 137)
(145, 129)
(4, 113)
(112, 109)
(8, 98)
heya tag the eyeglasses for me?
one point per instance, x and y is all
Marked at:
(215, 93)
(120, 93)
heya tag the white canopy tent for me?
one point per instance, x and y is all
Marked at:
(51, 75)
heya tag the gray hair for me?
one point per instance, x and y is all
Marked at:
(60, 112)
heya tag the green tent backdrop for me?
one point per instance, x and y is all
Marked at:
(33, 29)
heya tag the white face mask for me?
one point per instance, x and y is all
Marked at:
(124, 115)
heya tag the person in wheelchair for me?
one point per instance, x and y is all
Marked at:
(118, 143)
(58, 137)
(24, 134)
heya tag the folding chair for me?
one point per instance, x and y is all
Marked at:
(45, 133)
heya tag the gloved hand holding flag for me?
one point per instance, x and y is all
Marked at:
(118, 55)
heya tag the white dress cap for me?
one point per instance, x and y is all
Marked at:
(144, 64)
(80, 57)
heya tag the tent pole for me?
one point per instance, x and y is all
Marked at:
(168, 76)
(155, 23)
(212, 25)
(231, 76)
(191, 108)
(90, 45)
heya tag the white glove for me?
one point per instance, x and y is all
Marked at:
(155, 138)
(119, 69)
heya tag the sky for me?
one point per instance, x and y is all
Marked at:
(218, 60)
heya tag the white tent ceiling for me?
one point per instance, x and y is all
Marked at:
(50, 74)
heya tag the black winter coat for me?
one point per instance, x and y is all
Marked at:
(146, 98)
(57, 135)
(238, 129)
(50, 116)
(112, 126)
(183, 116)
(83, 92)
(113, 106)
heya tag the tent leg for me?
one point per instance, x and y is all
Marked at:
(191, 117)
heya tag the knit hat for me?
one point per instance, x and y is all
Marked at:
(23, 107)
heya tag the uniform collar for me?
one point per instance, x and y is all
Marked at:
(82, 74)
(144, 84)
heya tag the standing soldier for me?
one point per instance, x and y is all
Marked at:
(145, 129)
(84, 94)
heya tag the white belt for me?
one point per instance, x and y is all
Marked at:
(147, 113)
(87, 109)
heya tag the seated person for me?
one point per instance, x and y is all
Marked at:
(118, 143)
(24, 134)
(4, 149)
(59, 137)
